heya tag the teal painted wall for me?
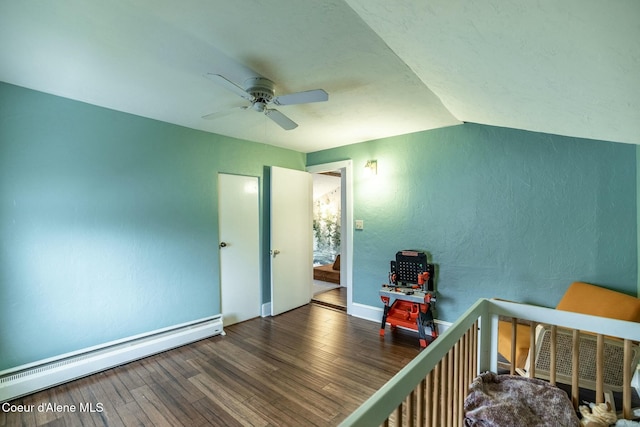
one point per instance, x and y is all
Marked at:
(504, 213)
(638, 209)
(108, 222)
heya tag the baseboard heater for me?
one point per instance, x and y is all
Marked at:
(27, 379)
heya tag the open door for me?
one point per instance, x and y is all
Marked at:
(291, 239)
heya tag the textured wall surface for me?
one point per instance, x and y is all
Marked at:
(108, 222)
(504, 213)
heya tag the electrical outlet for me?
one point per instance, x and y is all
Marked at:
(359, 224)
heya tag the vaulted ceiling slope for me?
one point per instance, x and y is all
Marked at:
(568, 67)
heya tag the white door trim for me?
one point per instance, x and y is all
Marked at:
(346, 252)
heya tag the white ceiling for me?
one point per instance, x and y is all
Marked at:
(323, 184)
(569, 67)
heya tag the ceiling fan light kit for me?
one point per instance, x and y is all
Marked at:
(260, 92)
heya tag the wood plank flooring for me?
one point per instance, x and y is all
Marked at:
(334, 298)
(308, 367)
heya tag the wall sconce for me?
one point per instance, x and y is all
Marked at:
(371, 168)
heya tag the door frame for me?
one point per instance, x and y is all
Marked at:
(346, 222)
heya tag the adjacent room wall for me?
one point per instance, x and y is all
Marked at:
(108, 222)
(503, 213)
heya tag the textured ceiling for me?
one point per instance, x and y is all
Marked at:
(564, 67)
(390, 68)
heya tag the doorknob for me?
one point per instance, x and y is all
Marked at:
(274, 252)
(222, 245)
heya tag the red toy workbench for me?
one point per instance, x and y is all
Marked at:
(409, 308)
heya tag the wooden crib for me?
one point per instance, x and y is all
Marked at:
(431, 389)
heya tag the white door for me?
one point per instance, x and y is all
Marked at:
(238, 219)
(291, 239)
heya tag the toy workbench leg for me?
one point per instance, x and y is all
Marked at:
(421, 335)
(425, 318)
(383, 325)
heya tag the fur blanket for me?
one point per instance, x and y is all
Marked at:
(506, 401)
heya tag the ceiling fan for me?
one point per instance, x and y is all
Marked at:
(260, 92)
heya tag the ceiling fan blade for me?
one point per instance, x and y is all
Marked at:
(317, 95)
(223, 113)
(283, 121)
(229, 85)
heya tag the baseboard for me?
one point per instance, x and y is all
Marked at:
(442, 325)
(266, 309)
(366, 312)
(27, 379)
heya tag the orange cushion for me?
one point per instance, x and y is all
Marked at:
(596, 301)
(523, 338)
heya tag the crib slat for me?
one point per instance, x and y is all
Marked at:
(457, 393)
(428, 402)
(397, 413)
(436, 396)
(467, 339)
(411, 409)
(420, 404)
(444, 367)
(475, 347)
(467, 364)
(463, 377)
(626, 391)
(575, 367)
(514, 340)
(532, 349)
(450, 396)
(599, 368)
(471, 356)
(470, 375)
(553, 348)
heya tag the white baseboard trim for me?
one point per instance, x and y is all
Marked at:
(366, 312)
(33, 377)
(266, 309)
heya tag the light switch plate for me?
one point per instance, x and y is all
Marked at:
(359, 224)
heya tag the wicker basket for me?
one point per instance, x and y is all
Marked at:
(613, 359)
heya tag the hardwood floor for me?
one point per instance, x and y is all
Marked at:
(311, 366)
(334, 298)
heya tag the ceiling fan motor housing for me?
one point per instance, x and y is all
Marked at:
(260, 88)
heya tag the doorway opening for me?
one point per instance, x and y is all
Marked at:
(332, 232)
(327, 225)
